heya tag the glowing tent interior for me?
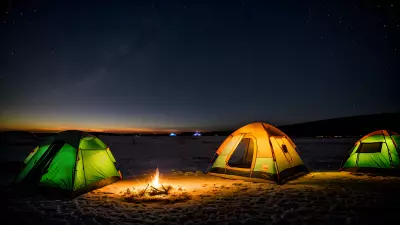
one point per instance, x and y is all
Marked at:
(258, 150)
(70, 163)
(375, 152)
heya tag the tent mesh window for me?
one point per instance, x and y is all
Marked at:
(370, 147)
(242, 157)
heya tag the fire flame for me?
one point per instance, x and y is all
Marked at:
(156, 178)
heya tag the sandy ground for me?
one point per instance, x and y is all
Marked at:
(317, 198)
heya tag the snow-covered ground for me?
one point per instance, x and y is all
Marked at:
(322, 197)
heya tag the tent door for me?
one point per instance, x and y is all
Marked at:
(242, 157)
(283, 152)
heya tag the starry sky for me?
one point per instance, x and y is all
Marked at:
(185, 65)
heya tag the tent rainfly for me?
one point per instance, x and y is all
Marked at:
(71, 163)
(258, 150)
(377, 152)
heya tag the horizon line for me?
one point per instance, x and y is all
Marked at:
(163, 130)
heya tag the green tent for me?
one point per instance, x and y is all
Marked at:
(72, 162)
(375, 152)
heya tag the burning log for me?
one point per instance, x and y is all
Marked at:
(144, 191)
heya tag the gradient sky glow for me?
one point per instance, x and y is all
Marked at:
(184, 65)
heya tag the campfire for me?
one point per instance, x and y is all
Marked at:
(156, 187)
(155, 191)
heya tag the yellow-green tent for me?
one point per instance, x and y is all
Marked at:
(258, 150)
(72, 162)
(375, 152)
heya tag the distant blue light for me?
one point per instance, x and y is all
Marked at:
(172, 135)
(197, 134)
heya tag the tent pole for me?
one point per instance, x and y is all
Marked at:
(276, 164)
(273, 153)
(389, 152)
(74, 171)
(345, 159)
(210, 162)
(255, 155)
(358, 156)
(397, 148)
(83, 166)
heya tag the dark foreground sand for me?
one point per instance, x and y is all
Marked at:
(317, 198)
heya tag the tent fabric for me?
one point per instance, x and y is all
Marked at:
(33, 152)
(258, 150)
(375, 152)
(72, 161)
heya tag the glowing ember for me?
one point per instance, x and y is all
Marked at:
(155, 182)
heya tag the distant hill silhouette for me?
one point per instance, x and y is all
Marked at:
(345, 126)
(18, 137)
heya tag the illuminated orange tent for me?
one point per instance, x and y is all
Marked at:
(258, 150)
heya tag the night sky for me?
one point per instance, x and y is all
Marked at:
(182, 65)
